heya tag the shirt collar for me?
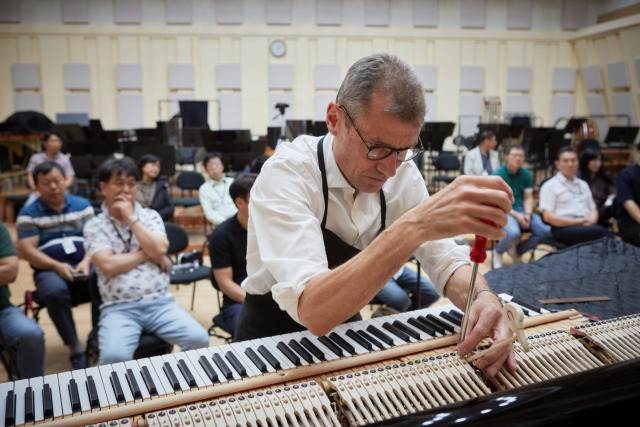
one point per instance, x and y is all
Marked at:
(43, 207)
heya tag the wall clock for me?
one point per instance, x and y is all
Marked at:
(278, 48)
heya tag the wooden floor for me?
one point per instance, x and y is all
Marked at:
(57, 355)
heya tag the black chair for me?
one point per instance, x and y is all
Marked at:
(449, 164)
(185, 271)
(189, 181)
(150, 345)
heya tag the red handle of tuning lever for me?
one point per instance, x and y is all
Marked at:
(479, 253)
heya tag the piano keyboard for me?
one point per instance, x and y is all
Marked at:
(116, 387)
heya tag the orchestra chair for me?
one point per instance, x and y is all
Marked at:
(218, 321)
(186, 270)
(150, 345)
(188, 181)
(447, 168)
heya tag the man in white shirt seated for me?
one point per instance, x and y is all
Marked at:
(483, 159)
(216, 203)
(332, 219)
(567, 205)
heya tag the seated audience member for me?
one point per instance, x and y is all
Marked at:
(521, 218)
(17, 331)
(628, 204)
(214, 194)
(483, 159)
(153, 194)
(566, 203)
(395, 293)
(128, 245)
(52, 143)
(50, 239)
(603, 188)
(228, 251)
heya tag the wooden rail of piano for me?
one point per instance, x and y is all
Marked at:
(285, 376)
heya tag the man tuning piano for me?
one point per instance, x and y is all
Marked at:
(333, 218)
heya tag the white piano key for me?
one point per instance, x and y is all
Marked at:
(328, 354)
(19, 387)
(404, 317)
(94, 372)
(81, 380)
(137, 374)
(341, 330)
(220, 350)
(65, 398)
(285, 338)
(146, 363)
(5, 388)
(241, 346)
(120, 369)
(157, 362)
(242, 358)
(105, 371)
(56, 399)
(37, 384)
(207, 353)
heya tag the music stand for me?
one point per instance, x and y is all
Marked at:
(433, 134)
(574, 124)
(319, 128)
(544, 143)
(500, 130)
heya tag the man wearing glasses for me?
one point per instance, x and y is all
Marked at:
(332, 219)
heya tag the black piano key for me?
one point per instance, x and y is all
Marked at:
(431, 324)
(29, 409)
(331, 346)
(397, 332)
(312, 348)
(208, 369)
(526, 304)
(171, 376)
(47, 402)
(444, 325)
(456, 313)
(407, 330)
(92, 391)
(450, 318)
(133, 384)
(289, 354)
(117, 387)
(371, 339)
(237, 365)
(275, 363)
(295, 345)
(342, 343)
(253, 356)
(74, 395)
(217, 359)
(358, 339)
(10, 409)
(424, 328)
(186, 373)
(380, 335)
(148, 381)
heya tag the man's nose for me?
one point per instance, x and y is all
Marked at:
(388, 165)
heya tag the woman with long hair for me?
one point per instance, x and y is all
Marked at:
(152, 193)
(602, 185)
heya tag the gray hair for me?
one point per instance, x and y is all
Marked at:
(387, 74)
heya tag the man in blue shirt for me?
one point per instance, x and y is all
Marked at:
(521, 218)
(50, 239)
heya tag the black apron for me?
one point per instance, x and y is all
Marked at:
(261, 316)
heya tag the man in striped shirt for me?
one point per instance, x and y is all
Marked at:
(50, 239)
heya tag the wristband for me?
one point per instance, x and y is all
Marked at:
(475, 297)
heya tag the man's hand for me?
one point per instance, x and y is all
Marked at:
(65, 271)
(587, 221)
(164, 263)
(485, 319)
(524, 219)
(83, 267)
(122, 208)
(460, 207)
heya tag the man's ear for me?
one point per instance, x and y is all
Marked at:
(102, 186)
(333, 117)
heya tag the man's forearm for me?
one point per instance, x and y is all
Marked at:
(559, 220)
(37, 258)
(153, 244)
(115, 264)
(632, 209)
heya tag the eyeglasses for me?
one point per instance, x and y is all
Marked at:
(379, 152)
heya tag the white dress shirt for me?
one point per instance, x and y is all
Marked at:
(285, 245)
(571, 199)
